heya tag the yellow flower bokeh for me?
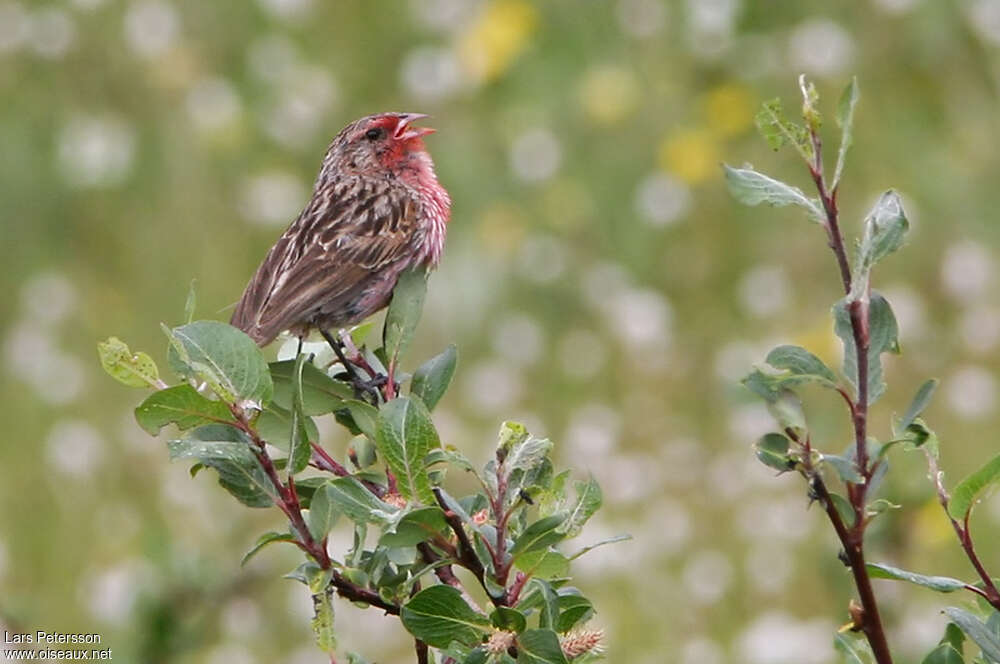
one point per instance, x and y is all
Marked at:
(729, 109)
(608, 94)
(693, 155)
(497, 37)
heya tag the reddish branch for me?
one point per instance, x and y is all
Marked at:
(287, 500)
(851, 537)
(989, 590)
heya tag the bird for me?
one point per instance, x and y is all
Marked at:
(376, 210)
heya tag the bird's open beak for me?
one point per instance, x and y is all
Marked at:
(405, 132)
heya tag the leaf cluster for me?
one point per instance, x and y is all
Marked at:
(254, 423)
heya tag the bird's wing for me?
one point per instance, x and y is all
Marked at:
(346, 237)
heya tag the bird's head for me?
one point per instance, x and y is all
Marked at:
(376, 143)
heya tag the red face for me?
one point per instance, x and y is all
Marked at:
(392, 136)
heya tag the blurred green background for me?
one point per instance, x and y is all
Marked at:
(599, 282)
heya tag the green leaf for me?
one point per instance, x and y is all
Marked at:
(883, 338)
(128, 368)
(945, 653)
(323, 513)
(942, 584)
(227, 450)
(921, 400)
(800, 362)
(977, 631)
(274, 425)
(610, 540)
(772, 451)
(404, 435)
(508, 620)
(777, 131)
(431, 380)
(854, 648)
(884, 232)
(264, 540)
(588, 501)
(539, 535)
(365, 417)
(322, 621)
(526, 454)
(573, 610)
(844, 508)
(299, 448)
(320, 393)
(845, 120)
(404, 312)
(356, 502)
(964, 496)
(786, 409)
(543, 564)
(438, 615)
(223, 357)
(798, 367)
(846, 469)
(753, 188)
(953, 636)
(880, 506)
(415, 527)
(180, 405)
(539, 646)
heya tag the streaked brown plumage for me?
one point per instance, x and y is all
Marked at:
(376, 210)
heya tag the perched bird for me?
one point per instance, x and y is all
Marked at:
(376, 210)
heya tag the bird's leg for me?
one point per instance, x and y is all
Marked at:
(355, 355)
(386, 380)
(361, 386)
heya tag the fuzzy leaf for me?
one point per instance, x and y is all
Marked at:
(942, 584)
(753, 188)
(431, 380)
(223, 357)
(944, 653)
(227, 450)
(299, 448)
(964, 496)
(404, 312)
(539, 535)
(128, 368)
(539, 646)
(799, 361)
(885, 230)
(588, 500)
(974, 628)
(778, 131)
(181, 405)
(883, 338)
(845, 120)
(415, 527)
(323, 513)
(320, 393)
(274, 425)
(404, 435)
(262, 541)
(356, 502)
(438, 615)
(610, 540)
(854, 649)
(921, 400)
(772, 451)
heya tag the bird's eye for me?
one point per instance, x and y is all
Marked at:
(374, 134)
